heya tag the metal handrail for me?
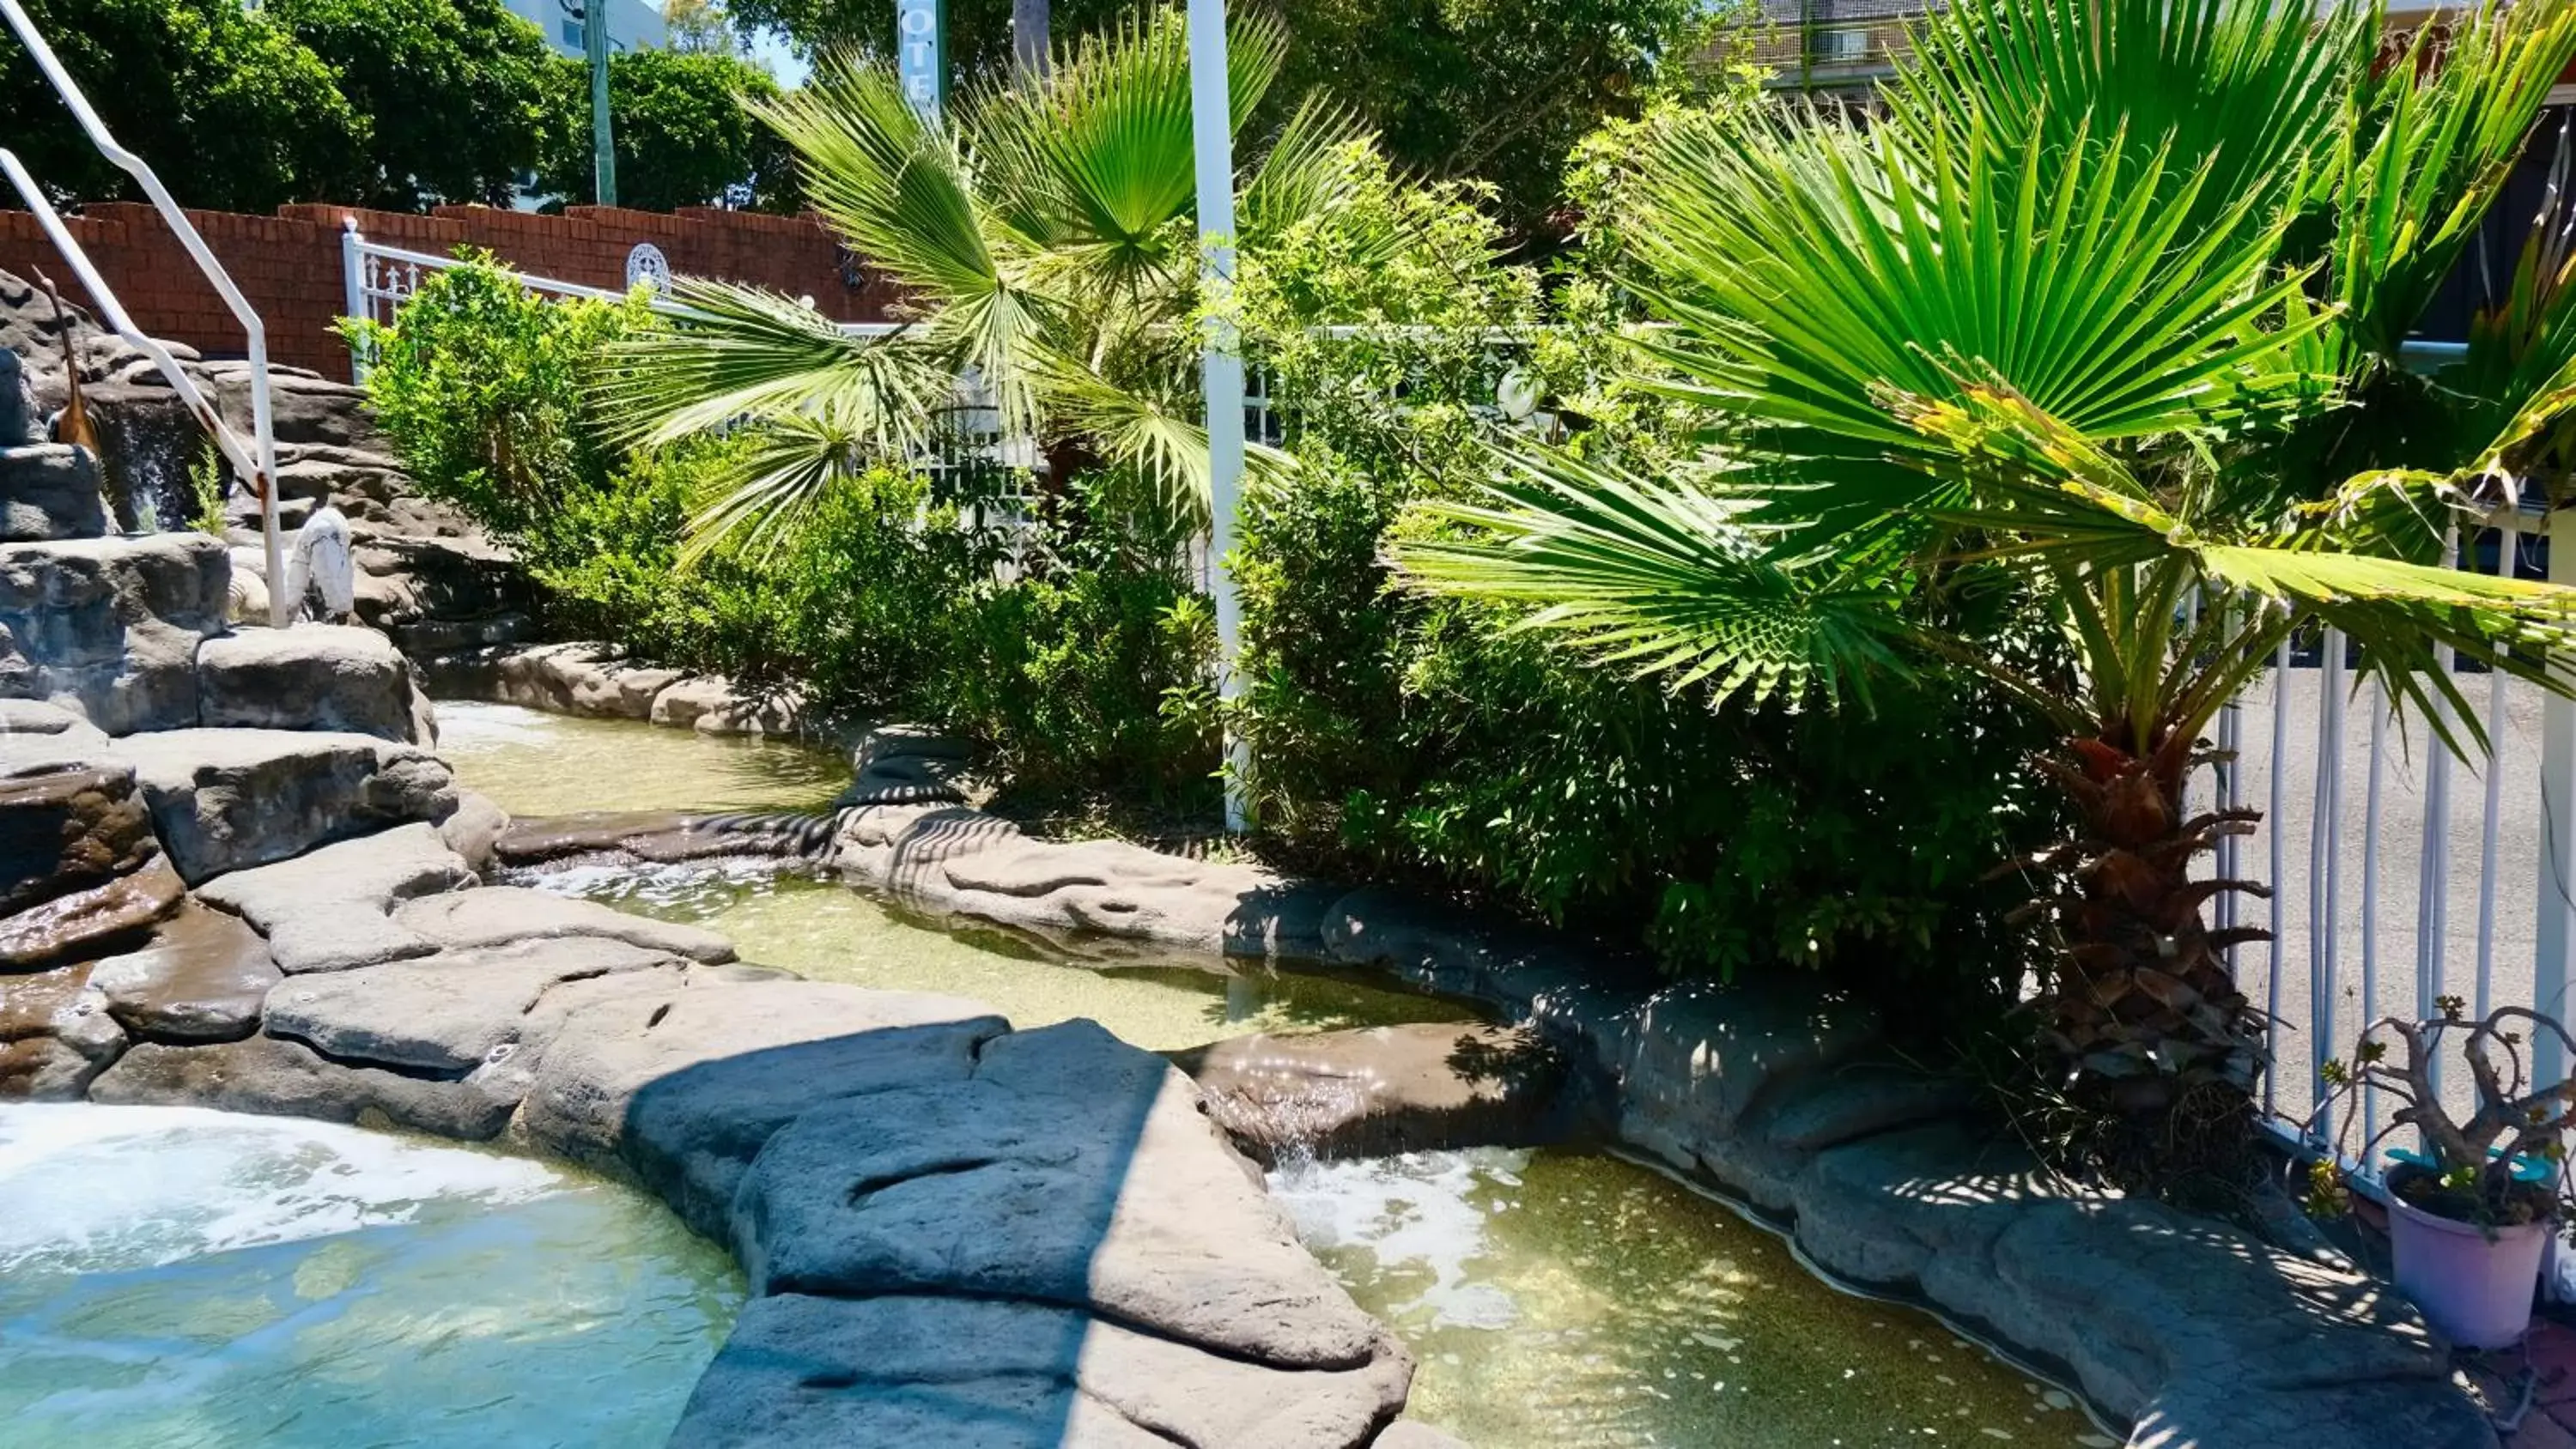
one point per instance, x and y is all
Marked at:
(262, 472)
(113, 313)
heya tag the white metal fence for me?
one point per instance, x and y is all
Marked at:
(2401, 875)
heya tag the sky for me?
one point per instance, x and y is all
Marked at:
(783, 63)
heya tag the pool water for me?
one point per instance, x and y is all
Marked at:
(1553, 1298)
(533, 763)
(1568, 1298)
(172, 1278)
(826, 931)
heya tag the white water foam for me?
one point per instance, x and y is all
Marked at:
(1416, 1214)
(105, 1189)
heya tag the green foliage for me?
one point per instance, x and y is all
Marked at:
(1410, 735)
(1496, 91)
(1042, 237)
(1417, 736)
(1087, 675)
(477, 382)
(452, 91)
(685, 130)
(206, 488)
(229, 107)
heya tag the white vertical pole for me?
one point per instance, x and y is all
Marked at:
(2558, 818)
(2325, 854)
(353, 291)
(1212, 124)
(2508, 523)
(2370, 884)
(2279, 855)
(2433, 903)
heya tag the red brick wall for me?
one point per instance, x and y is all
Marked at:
(288, 265)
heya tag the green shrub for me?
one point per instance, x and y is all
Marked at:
(1087, 676)
(478, 383)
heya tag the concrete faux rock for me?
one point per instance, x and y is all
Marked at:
(276, 1077)
(109, 627)
(55, 1035)
(330, 910)
(228, 799)
(448, 1013)
(665, 836)
(312, 677)
(500, 915)
(1379, 1090)
(954, 859)
(88, 923)
(48, 492)
(1119, 1199)
(680, 1088)
(68, 828)
(897, 1371)
(204, 978)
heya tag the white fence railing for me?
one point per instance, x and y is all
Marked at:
(378, 279)
(2402, 875)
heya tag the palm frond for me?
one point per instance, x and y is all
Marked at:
(792, 460)
(2426, 150)
(2245, 91)
(1659, 580)
(890, 185)
(738, 352)
(1820, 270)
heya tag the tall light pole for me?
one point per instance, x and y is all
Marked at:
(1221, 360)
(603, 145)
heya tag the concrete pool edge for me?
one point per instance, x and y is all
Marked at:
(2184, 1328)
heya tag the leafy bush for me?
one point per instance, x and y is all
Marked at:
(478, 383)
(1410, 735)
(1087, 675)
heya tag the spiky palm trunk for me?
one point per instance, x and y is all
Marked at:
(2143, 1018)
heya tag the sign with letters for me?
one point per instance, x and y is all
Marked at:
(921, 54)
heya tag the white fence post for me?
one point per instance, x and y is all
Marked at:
(2557, 821)
(353, 290)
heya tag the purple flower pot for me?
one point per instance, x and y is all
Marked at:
(2475, 1289)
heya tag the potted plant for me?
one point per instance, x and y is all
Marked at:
(2469, 1215)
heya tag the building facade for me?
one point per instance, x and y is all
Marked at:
(632, 24)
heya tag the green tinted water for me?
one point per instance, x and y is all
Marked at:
(542, 764)
(1554, 1298)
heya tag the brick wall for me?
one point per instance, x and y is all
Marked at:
(288, 265)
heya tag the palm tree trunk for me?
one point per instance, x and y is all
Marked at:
(1030, 23)
(2143, 1016)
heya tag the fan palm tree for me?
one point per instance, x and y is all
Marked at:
(2092, 310)
(1044, 243)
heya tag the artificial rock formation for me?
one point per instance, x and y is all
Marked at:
(1381, 1090)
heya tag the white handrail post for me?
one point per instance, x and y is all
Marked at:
(264, 476)
(353, 290)
(1221, 364)
(2555, 931)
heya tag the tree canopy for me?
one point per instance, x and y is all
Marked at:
(1492, 90)
(684, 134)
(396, 104)
(230, 108)
(453, 90)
